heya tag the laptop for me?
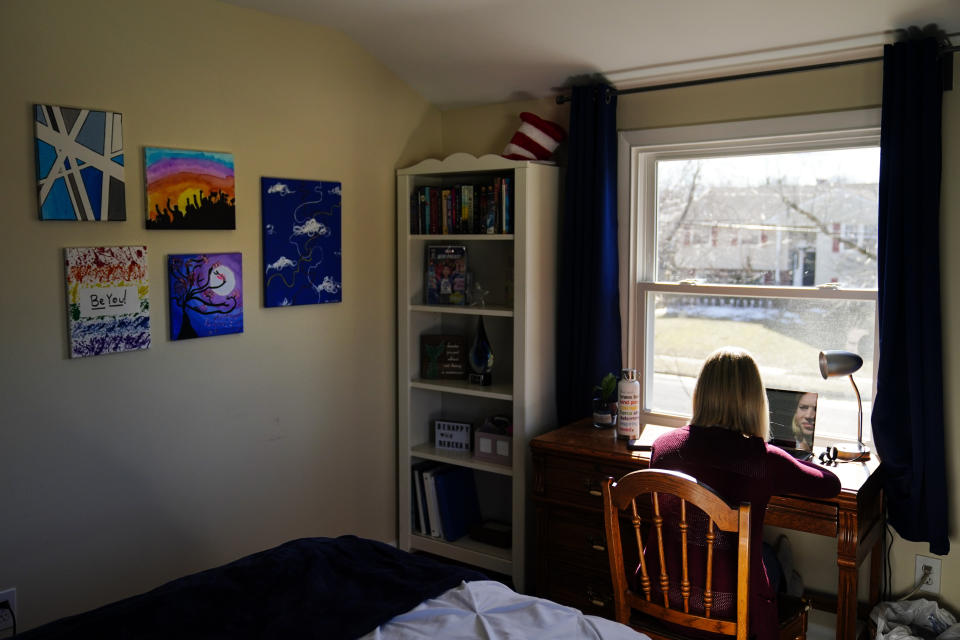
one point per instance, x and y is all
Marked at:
(788, 408)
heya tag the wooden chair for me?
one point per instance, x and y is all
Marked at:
(654, 605)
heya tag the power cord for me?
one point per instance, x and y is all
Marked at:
(863, 456)
(888, 569)
(887, 538)
(5, 607)
(926, 574)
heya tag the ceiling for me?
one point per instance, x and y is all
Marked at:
(467, 52)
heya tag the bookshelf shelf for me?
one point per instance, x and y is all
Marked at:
(453, 238)
(466, 550)
(462, 387)
(492, 311)
(517, 270)
(428, 451)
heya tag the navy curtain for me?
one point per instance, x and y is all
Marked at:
(908, 422)
(588, 320)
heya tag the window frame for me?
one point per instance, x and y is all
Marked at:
(639, 151)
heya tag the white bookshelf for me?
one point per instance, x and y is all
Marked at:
(520, 270)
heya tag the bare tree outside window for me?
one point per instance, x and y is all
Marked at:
(748, 223)
(767, 221)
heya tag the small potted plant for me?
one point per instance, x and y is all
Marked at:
(605, 402)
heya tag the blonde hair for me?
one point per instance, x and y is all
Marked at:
(730, 394)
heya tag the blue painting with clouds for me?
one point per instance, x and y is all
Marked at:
(301, 242)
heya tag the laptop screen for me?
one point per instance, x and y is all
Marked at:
(793, 418)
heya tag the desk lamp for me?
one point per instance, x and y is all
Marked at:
(845, 363)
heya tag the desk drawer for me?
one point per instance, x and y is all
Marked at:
(576, 536)
(589, 591)
(576, 482)
(807, 515)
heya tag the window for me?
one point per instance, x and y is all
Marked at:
(759, 234)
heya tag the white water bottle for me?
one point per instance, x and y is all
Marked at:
(628, 418)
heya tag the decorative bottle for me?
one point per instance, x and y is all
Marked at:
(481, 357)
(628, 392)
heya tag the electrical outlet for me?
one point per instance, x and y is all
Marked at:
(6, 620)
(932, 583)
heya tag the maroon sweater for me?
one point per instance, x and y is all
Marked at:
(741, 470)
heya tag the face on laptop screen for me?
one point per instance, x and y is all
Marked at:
(793, 418)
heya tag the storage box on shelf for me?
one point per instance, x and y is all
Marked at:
(511, 282)
(493, 440)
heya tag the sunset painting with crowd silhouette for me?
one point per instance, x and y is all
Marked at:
(189, 189)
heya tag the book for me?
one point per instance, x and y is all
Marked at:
(416, 498)
(425, 210)
(446, 275)
(429, 215)
(419, 495)
(415, 211)
(446, 216)
(490, 211)
(435, 211)
(497, 205)
(457, 501)
(455, 210)
(415, 522)
(433, 510)
(507, 199)
(466, 205)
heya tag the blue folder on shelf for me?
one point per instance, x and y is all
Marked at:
(457, 501)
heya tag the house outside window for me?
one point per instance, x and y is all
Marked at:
(790, 267)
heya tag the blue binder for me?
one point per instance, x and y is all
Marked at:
(457, 501)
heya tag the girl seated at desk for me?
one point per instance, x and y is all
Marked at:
(725, 446)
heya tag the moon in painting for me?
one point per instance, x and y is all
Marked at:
(226, 276)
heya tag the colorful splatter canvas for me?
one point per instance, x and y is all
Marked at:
(206, 295)
(79, 164)
(107, 300)
(301, 242)
(189, 189)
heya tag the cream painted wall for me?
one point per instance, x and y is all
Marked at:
(486, 130)
(122, 471)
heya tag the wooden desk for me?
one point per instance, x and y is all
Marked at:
(569, 464)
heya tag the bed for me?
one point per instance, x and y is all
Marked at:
(332, 588)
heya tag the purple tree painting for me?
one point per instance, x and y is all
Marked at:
(206, 295)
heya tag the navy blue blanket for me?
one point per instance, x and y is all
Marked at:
(329, 588)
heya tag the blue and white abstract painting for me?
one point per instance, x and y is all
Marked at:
(301, 242)
(79, 164)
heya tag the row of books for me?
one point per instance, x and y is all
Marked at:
(463, 208)
(445, 503)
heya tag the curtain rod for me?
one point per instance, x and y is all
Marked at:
(756, 74)
(739, 76)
